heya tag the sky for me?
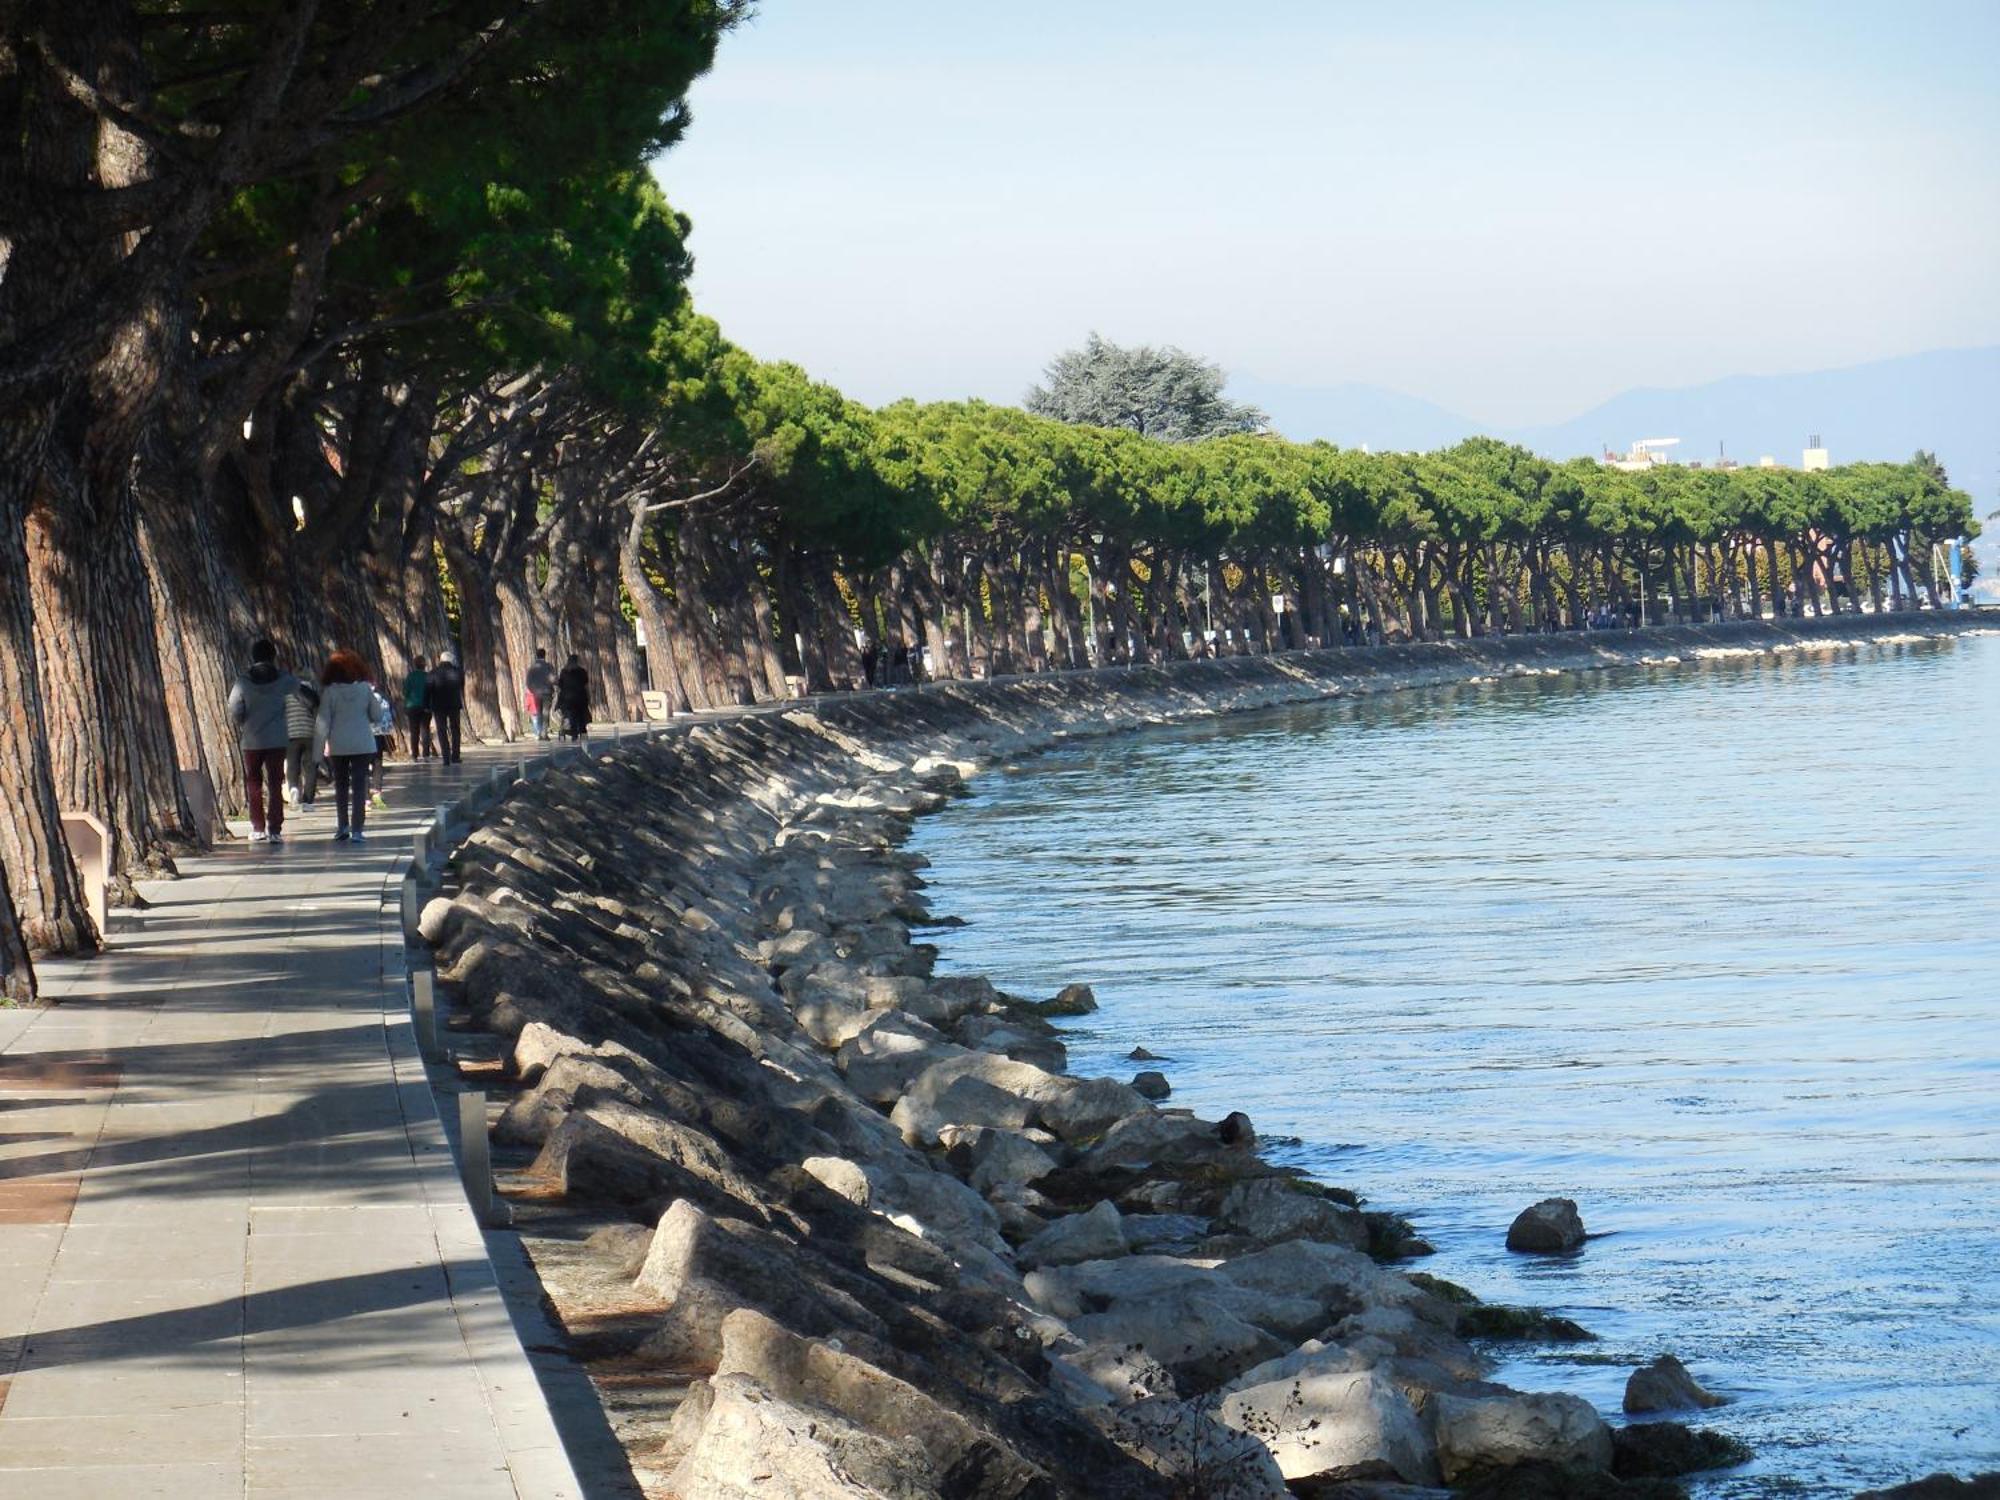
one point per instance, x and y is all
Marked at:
(1515, 210)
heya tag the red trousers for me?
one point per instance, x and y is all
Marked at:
(264, 770)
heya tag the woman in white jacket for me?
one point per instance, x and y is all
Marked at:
(345, 730)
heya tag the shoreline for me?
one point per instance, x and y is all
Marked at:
(783, 1184)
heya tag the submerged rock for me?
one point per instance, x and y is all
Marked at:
(1667, 1450)
(1665, 1385)
(1551, 1227)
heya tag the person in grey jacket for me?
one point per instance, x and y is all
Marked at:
(301, 762)
(257, 709)
(345, 730)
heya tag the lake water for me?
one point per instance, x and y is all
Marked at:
(1710, 949)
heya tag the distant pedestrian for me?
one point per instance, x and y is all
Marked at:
(446, 696)
(573, 697)
(383, 718)
(345, 732)
(301, 761)
(538, 693)
(257, 709)
(416, 707)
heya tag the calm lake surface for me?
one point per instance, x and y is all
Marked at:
(1710, 949)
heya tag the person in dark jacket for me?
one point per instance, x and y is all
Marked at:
(444, 694)
(257, 709)
(416, 704)
(573, 697)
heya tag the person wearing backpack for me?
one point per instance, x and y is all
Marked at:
(383, 718)
(417, 705)
(345, 732)
(301, 764)
(257, 709)
(445, 694)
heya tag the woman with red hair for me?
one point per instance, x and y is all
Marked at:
(345, 730)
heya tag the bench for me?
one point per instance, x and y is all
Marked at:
(90, 849)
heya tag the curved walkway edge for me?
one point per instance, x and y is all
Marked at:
(236, 1256)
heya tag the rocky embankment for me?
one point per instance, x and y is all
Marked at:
(823, 1224)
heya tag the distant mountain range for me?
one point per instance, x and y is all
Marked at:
(1946, 400)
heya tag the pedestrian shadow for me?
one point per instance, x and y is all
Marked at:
(207, 1334)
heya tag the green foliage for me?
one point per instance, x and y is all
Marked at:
(1167, 394)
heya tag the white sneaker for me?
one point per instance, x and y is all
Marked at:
(258, 836)
(291, 796)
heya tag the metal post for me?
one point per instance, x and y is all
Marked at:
(420, 847)
(475, 1156)
(423, 1014)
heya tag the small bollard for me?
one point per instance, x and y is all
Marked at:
(420, 847)
(413, 905)
(475, 1155)
(424, 1016)
(617, 733)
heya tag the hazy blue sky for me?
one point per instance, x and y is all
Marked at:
(1514, 209)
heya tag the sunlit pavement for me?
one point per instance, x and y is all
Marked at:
(235, 1256)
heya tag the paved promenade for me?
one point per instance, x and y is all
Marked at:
(235, 1257)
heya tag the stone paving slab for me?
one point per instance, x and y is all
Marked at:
(235, 1255)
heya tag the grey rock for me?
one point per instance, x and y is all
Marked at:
(1088, 1107)
(1097, 1234)
(994, 1034)
(1193, 1452)
(702, 1268)
(1270, 1209)
(747, 1444)
(1331, 1425)
(888, 1052)
(839, 1175)
(1071, 1000)
(1164, 1234)
(1497, 1432)
(1551, 1227)
(432, 919)
(814, 1374)
(1151, 1085)
(993, 1159)
(954, 996)
(1195, 1336)
(1666, 1385)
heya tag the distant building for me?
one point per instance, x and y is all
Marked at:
(1815, 460)
(1647, 453)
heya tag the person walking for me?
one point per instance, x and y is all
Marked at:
(257, 709)
(301, 760)
(345, 731)
(445, 693)
(573, 697)
(416, 706)
(383, 718)
(539, 688)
